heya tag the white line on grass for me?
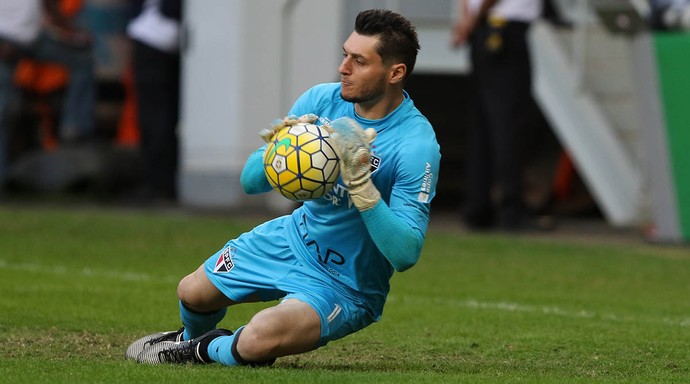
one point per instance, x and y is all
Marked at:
(86, 272)
(469, 303)
(546, 310)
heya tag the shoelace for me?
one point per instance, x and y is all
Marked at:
(178, 353)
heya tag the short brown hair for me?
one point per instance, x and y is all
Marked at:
(398, 41)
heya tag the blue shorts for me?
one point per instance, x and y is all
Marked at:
(261, 265)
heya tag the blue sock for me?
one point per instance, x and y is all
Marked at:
(223, 350)
(196, 324)
(220, 349)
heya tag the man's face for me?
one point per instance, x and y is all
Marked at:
(362, 72)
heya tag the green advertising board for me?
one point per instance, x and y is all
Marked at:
(672, 51)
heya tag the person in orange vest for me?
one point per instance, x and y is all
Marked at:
(39, 30)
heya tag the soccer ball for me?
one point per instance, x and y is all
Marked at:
(300, 162)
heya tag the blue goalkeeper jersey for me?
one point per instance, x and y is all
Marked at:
(329, 233)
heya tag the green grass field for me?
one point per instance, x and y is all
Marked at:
(78, 285)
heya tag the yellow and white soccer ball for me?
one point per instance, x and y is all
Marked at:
(301, 163)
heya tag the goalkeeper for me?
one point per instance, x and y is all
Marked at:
(330, 261)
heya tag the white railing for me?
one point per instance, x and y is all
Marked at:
(579, 121)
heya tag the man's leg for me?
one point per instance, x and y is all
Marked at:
(289, 328)
(230, 277)
(478, 207)
(156, 77)
(6, 93)
(202, 305)
(513, 89)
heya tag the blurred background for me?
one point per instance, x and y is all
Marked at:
(608, 136)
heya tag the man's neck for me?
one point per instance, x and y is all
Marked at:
(380, 108)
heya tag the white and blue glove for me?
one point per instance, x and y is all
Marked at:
(287, 121)
(353, 146)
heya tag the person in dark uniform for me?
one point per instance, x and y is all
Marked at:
(496, 31)
(156, 65)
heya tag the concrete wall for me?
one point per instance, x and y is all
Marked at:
(244, 64)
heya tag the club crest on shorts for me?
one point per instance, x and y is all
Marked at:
(224, 263)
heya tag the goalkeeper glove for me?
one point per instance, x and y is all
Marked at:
(287, 121)
(352, 144)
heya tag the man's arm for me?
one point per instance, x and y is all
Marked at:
(467, 22)
(394, 237)
(253, 179)
(398, 241)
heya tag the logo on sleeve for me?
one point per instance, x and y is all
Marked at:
(224, 263)
(427, 182)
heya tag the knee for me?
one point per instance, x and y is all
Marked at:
(197, 293)
(189, 294)
(257, 341)
(185, 292)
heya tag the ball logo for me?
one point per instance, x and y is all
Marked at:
(300, 162)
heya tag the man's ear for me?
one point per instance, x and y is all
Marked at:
(397, 73)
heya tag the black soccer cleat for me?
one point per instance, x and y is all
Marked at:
(138, 346)
(180, 352)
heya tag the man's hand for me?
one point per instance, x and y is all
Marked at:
(287, 121)
(462, 30)
(352, 144)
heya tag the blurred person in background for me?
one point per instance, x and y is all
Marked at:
(155, 34)
(39, 30)
(496, 31)
(670, 15)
